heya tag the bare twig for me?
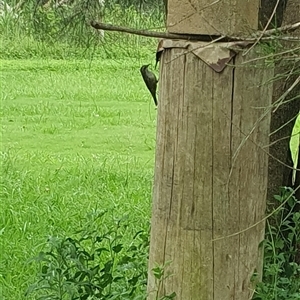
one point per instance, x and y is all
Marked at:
(281, 99)
(283, 29)
(281, 139)
(191, 50)
(289, 38)
(271, 55)
(262, 148)
(285, 124)
(262, 220)
(264, 30)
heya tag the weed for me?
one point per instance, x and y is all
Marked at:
(281, 274)
(160, 274)
(99, 262)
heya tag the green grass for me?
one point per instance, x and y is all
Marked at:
(57, 35)
(77, 136)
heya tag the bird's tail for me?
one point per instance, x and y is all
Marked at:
(155, 99)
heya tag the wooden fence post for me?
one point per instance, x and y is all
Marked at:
(210, 176)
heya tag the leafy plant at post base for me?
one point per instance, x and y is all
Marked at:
(93, 265)
(160, 275)
(281, 273)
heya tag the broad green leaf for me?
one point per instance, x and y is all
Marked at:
(294, 146)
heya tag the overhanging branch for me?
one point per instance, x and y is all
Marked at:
(154, 34)
(266, 35)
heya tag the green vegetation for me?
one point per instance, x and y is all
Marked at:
(281, 277)
(65, 33)
(77, 156)
(77, 137)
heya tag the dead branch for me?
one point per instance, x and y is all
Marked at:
(148, 33)
(265, 35)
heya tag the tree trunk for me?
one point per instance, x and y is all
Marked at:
(279, 174)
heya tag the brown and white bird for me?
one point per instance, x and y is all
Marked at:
(150, 81)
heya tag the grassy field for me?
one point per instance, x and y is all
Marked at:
(77, 137)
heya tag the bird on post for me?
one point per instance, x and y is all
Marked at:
(150, 81)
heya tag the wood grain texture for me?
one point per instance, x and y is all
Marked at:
(231, 17)
(203, 188)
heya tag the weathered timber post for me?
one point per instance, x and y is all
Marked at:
(210, 172)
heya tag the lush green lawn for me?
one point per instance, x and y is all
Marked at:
(76, 137)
